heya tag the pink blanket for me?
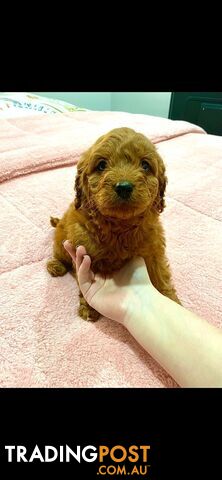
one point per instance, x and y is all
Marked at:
(43, 342)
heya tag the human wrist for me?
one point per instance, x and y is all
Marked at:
(141, 304)
(146, 322)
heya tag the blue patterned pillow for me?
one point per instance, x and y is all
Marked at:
(15, 102)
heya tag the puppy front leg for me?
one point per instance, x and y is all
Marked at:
(160, 276)
(60, 263)
(85, 311)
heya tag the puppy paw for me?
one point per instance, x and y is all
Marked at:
(88, 313)
(56, 268)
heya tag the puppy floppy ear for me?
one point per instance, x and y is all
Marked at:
(159, 203)
(79, 184)
(78, 190)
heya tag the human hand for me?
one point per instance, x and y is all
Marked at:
(115, 296)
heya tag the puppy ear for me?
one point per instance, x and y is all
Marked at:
(78, 190)
(79, 184)
(159, 203)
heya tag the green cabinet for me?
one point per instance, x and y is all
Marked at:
(201, 108)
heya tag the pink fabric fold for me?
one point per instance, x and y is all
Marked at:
(34, 143)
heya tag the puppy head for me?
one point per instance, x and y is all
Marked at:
(121, 176)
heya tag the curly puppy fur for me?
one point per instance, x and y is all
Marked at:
(120, 187)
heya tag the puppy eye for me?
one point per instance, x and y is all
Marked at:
(101, 166)
(145, 166)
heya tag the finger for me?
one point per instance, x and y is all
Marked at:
(80, 252)
(69, 248)
(85, 275)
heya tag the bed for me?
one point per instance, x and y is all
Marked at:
(43, 341)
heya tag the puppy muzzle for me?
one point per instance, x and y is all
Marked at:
(124, 189)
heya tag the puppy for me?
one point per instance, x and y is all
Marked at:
(120, 187)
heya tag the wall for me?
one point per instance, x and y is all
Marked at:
(150, 103)
(90, 100)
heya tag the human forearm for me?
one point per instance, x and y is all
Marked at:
(186, 346)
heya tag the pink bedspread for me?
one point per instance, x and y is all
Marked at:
(43, 342)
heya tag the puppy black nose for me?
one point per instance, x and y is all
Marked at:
(124, 189)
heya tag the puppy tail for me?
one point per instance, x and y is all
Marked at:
(54, 221)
